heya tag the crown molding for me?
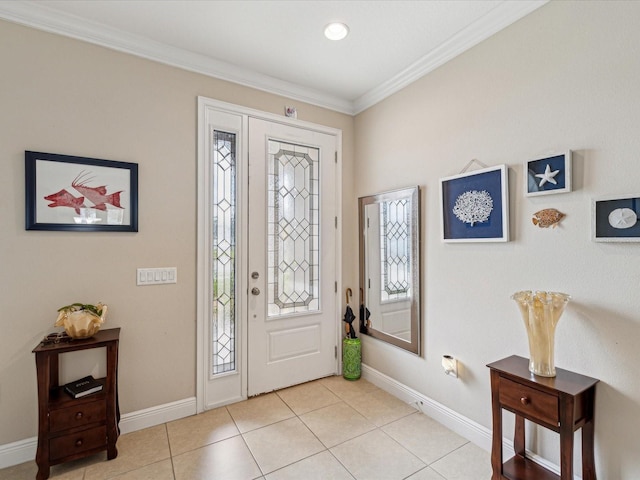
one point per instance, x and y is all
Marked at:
(41, 17)
(497, 19)
(37, 15)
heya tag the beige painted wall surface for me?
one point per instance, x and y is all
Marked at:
(63, 96)
(565, 76)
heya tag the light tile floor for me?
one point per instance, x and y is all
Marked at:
(330, 429)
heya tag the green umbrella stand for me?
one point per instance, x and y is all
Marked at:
(351, 358)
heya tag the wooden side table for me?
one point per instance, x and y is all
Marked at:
(563, 404)
(70, 428)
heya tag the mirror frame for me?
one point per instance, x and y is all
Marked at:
(413, 193)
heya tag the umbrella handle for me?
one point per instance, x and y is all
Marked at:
(348, 293)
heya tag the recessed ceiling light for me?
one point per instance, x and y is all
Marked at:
(336, 31)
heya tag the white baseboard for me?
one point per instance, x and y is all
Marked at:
(18, 452)
(150, 417)
(25, 450)
(463, 426)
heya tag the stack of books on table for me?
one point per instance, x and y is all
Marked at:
(82, 387)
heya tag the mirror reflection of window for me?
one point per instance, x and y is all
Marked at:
(395, 252)
(389, 267)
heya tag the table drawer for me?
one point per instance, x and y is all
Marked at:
(77, 416)
(531, 403)
(75, 443)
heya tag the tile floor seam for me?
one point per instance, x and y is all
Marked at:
(449, 453)
(117, 474)
(233, 420)
(267, 424)
(424, 468)
(405, 448)
(325, 448)
(353, 438)
(343, 465)
(297, 461)
(173, 468)
(340, 400)
(395, 419)
(312, 432)
(244, 440)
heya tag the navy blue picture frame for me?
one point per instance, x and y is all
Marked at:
(489, 182)
(49, 187)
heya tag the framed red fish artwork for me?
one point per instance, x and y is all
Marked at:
(70, 193)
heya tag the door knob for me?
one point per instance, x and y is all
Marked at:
(255, 275)
(255, 291)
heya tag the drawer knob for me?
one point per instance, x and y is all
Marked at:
(79, 442)
(525, 401)
(79, 415)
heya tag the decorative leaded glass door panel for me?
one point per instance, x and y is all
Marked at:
(292, 256)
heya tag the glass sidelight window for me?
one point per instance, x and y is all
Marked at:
(223, 321)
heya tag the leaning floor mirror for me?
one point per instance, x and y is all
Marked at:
(390, 267)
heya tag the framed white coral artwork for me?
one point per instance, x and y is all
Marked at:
(475, 206)
(551, 174)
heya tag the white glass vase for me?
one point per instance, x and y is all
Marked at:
(541, 312)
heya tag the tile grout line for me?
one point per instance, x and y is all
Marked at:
(241, 435)
(173, 467)
(326, 449)
(376, 427)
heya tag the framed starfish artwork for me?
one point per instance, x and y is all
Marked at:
(547, 175)
(475, 206)
(80, 194)
(615, 219)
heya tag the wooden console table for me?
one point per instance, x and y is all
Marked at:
(71, 428)
(563, 404)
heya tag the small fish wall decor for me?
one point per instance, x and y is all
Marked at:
(549, 217)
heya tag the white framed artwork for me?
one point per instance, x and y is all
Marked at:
(615, 219)
(475, 206)
(547, 175)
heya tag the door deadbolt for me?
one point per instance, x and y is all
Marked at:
(255, 291)
(255, 275)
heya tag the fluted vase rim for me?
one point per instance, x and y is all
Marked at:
(540, 295)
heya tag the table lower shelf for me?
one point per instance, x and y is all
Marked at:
(522, 468)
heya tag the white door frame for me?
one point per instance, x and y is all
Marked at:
(207, 108)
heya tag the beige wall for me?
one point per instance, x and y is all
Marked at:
(566, 76)
(63, 96)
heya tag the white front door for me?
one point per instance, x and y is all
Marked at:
(268, 197)
(292, 271)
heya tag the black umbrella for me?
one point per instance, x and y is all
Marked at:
(364, 315)
(364, 318)
(349, 317)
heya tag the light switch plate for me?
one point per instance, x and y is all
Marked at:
(156, 276)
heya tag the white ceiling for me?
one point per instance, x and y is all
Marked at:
(278, 45)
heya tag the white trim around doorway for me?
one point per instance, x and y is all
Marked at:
(206, 108)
